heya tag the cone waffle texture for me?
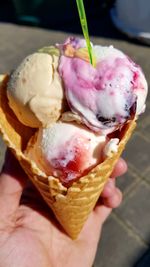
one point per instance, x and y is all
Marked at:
(72, 205)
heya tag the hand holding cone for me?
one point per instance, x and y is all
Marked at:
(73, 202)
(73, 205)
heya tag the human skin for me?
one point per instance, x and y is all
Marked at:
(30, 235)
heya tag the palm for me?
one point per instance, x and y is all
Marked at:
(41, 242)
(30, 235)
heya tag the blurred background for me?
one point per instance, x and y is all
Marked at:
(25, 26)
(51, 13)
(57, 14)
(131, 17)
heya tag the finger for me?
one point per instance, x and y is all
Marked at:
(99, 215)
(120, 168)
(102, 213)
(12, 182)
(109, 189)
(114, 201)
(93, 226)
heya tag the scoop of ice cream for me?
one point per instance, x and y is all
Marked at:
(107, 95)
(66, 150)
(35, 90)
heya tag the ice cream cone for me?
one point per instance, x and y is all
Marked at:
(72, 205)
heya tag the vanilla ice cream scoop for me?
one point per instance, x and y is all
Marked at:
(35, 90)
(105, 95)
(66, 150)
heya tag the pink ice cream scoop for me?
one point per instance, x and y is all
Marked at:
(106, 95)
(67, 150)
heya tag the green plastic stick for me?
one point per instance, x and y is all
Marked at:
(84, 26)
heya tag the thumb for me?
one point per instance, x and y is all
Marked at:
(12, 182)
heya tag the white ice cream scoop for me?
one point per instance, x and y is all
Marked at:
(67, 150)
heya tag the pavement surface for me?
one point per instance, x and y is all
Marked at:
(125, 238)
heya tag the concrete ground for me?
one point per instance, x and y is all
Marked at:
(126, 234)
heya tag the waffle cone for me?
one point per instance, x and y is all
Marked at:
(72, 205)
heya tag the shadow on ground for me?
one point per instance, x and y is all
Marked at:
(63, 16)
(144, 261)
